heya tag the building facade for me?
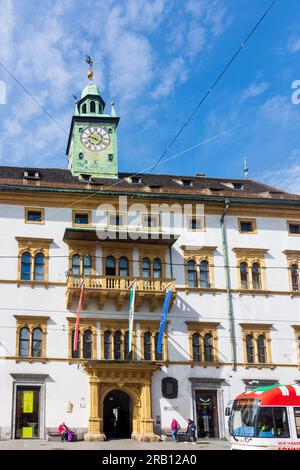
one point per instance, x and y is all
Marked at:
(228, 249)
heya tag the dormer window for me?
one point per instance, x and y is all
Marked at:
(31, 175)
(135, 180)
(187, 183)
(238, 186)
(85, 178)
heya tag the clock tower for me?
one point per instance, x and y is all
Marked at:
(92, 143)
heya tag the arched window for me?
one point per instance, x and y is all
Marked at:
(192, 273)
(87, 265)
(147, 346)
(117, 345)
(208, 348)
(24, 342)
(123, 267)
(37, 342)
(158, 356)
(244, 275)
(107, 344)
(256, 276)
(196, 340)
(204, 274)
(261, 349)
(146, 267)
(295, 276)
(39, 267)
(76, 354)
(83, 109)
(76, 265)
(92, 107)
(87, 344)
(157, 274)
(26, 266)
(100, 109)
(110, 266)
(250, 349)
(127, 354)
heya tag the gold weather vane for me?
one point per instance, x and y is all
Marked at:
(89, 61)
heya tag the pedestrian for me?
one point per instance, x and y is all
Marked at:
(175, 427)
(191, 432)
(63, 431)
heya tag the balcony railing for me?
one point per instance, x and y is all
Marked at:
(118, 288)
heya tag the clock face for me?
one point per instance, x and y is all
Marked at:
(95, 139)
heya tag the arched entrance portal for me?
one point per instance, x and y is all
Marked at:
(117, 414)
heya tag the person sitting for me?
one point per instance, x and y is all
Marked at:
(63, 431)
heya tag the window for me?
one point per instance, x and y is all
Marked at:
(158, 355)
(250, 349)
(261, 349)
(26, 266)
(295, 276)
(146, 267)
(34, 216)
(272, 422)
(110, 266)
(247, 225)
(87, 265)
(294, 228)
(92, 107)
(37, 342)
(208, 348)
(123, 267)
(82, 218)
(24, 342)
(157, 273)
(204, 274)
(297, 420)
(257, 344)
(83, 108)
(169, 387)
(196, 347)
(187, 183)
(76, 265)
(39, 267)
(256, 276)
(147, 346)
(81, 265)
(244, 275)
(117, 345)
(135, 180)
(107, 344)
(150, 221)
(87, 344)
(195, 223)
(192, 274)
(76, 354)
(31, 336)
(203, 341)
(116, 220)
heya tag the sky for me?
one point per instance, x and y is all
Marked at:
(156, 59)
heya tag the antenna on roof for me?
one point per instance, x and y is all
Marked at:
(246, 169)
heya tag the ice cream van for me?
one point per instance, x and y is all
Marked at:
(266, 418)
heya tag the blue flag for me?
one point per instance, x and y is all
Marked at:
(163, 320)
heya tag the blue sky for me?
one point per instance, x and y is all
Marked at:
(156, 59)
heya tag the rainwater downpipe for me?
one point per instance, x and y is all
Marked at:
(228, 288)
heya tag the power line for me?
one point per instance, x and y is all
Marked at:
(33, 98)
(212, 86)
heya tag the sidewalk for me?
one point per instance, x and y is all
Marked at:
(117, 444)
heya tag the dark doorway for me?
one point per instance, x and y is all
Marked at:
(117, 414)
(27, 412)
(207, 413)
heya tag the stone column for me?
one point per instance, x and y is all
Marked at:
(147, 422)
(95, 420)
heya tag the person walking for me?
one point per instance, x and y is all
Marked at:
(175, 427)
(191, 432)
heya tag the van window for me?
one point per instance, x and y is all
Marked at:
(297, 420)
(272, 422)
(281, 422)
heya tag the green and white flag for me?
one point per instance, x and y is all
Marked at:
(131, 315)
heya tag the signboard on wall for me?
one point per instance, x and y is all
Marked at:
(28, 402)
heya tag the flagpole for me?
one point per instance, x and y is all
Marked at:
(131, 314)
(75, 344)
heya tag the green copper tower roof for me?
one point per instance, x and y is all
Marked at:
(90, 89)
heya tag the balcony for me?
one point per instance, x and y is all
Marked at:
(118, 288)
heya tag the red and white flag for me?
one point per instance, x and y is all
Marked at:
(75, 345)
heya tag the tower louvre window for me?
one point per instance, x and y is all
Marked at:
(83, 109)
(92, 107)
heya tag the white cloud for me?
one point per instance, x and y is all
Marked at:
(293, 44)
(173, 74)
(7, 23)
(254, 90)
(280, 110)
(286, 177)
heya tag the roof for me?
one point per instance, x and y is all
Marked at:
(145, 183)
(276, 395)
